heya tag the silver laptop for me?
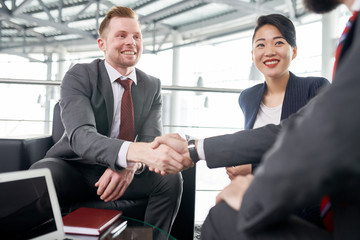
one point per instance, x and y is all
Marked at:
(29, 208)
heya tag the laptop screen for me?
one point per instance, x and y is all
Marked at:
(26, 210)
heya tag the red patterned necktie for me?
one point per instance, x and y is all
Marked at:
(325, 205)
(127, 129)
(342, 39)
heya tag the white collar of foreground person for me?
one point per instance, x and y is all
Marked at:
(356, 5)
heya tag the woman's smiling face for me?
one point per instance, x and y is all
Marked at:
(271, 53)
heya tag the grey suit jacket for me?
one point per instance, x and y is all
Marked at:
(320, 147)
(87, 113)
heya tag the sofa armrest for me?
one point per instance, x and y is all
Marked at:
(20, 153)
(36, 148)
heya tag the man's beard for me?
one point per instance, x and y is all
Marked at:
(321, 6)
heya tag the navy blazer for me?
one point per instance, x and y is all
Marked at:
(299, 91)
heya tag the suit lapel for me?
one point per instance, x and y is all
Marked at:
(291, 97)
(105, 88)
(138, 96)
(257, 100)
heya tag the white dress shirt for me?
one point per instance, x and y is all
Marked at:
(356, 5)
(118, 91)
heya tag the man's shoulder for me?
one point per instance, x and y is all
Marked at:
(89, 70)
(85, 72)
(94, 65)
(142, 76)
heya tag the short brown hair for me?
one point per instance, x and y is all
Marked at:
(117, 11)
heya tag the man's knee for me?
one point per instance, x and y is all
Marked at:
(60, 170)
(173, 183)
(69, 183)
(220, 223)
(55, 166)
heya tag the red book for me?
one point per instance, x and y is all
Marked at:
(90, 221)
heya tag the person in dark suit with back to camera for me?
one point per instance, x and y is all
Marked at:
(311, 155)
(96, 157)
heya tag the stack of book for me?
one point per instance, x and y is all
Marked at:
(92, 221)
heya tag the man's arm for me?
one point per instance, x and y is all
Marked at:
(86, 109)
(242, 147)
(247, 146)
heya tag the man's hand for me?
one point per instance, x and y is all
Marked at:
(233, 194)
(112, 185)
(241, 170)
(166, 159)
(177, 143)
(173, 140)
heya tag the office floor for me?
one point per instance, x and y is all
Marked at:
(197, 231)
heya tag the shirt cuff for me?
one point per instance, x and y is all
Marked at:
(121, 160)
(200, 149)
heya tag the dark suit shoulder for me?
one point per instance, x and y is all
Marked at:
(248, 95)
(90, 70)
(249, 92)
(149, 82)
(92, 66)
(311, 80)
(143, 75)
(85, 74)
(253, 89)
(310, 86)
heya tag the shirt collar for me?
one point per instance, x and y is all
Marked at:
(356, 5)
(114, 74)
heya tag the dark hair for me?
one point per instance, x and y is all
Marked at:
(117, 11)
(285, 26)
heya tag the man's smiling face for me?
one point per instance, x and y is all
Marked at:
(122, 44)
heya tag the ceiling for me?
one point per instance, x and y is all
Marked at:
(45, 26)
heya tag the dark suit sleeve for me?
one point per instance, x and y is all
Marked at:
(243, 147)
(317, 153)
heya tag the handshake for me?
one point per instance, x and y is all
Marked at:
(167, 154)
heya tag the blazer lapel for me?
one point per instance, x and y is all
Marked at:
(105, 88)
(291, 98)
(138, 96)
(257, 101)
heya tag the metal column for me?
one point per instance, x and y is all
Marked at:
(174, 107)
(329, 41)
